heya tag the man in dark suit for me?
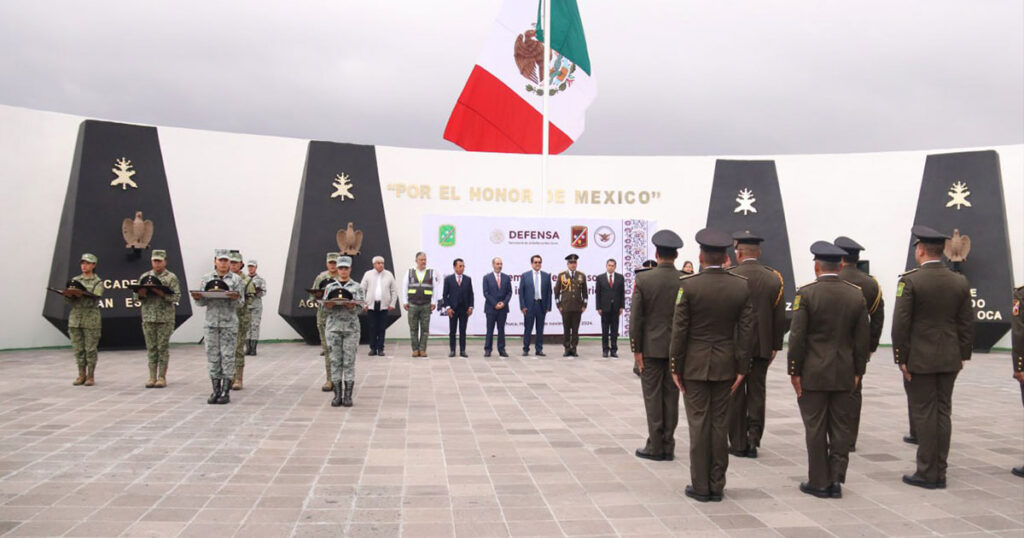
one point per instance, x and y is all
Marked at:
(746, 421)
(650, 331)
(709, 356)
(610, 290)
(828, 350)
(876, 314)
(458, 302)
(497, 294)
(932, 336)
(535, 302)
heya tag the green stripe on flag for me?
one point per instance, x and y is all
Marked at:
(567, 32)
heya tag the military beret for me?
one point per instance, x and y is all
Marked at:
(91, 258)
(332, 256)
(924, 234)
(221, 254)
(216, 284)
(344, 261)
(252, 262)
(666, 239)
(572, 258)
(827, 252)
(713, 240)
(158, 254)
(746, 237)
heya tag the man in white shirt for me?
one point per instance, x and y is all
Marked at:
(381, 294)
(418, 292)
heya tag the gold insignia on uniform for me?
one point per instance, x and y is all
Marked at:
(124, 174)
(342, 187)
(796, 302)
(899, 289)
(679, 296)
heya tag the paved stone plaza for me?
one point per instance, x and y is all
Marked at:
(444, 447)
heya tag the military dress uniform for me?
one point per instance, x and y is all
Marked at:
(932, 334)
(828, 351)
(876, 317)
(85, 323)
(711, 331)
(158, 321)
(343, 334)
(747, 410)
(255, 306)
(1017, 351)
(571, 299)
(319, 283)
(650, 331)
(220, 330)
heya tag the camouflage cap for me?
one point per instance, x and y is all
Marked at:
(221, 254)
(344, 261)
(158, 254)
(91, 258)
(332, 256)
(252, 262)
(235, 256)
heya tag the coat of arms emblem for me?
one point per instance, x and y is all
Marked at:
(578, 237)
(529, 56)
(446, 235)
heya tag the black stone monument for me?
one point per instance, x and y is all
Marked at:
(117, 171)
(964, 191)
(339, 185)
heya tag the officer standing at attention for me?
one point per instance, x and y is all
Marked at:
(158, 317)
(84, 321)
(709, 356)
(932, 335)
(571, 299)
(1017, 353)
(343, 330)
(746, 421)
(255, 306)
(650, 332)
(319, 283)
(876, 314)
(828, 351)
(243, 318)
(220, 330)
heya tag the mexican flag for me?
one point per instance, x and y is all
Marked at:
(500, 108)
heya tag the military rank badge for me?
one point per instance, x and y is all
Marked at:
(796, 303)
(899, 289)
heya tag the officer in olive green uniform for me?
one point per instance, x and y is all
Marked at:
(650, 331)
(876, 315)
(220, 327)
(158, 316)
(255, 305)
(319, 283)
(932, 334)
(746, 420)
(84, 320)
(828, 351)
(248, 291)
(1017, 352)
(571, 298)
(709, 356)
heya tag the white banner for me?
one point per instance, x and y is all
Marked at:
(478, 240)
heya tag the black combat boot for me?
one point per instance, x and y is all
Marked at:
(254, 344)
(336, 402)
(225, 392)
(216, 391)
(346, 400)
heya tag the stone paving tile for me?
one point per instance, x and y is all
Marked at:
(472, 447)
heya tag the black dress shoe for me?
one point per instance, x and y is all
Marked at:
(574, 354)
(919, 481)
(526, 352)
(692, 493)
(853, 448)
(715, 497)
(669, 456)
(567, 353)
(604, 354)
(748, 453)
(1018, 471)
(371, 353)
(451, 354)
(910, 439)
(502, 354)
(643, 453)
(823, 493)
(540, 354)
(615, 355)
(487, 354)
(463, 355)
(836, 489)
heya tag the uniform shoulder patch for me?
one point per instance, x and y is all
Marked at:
(796, 302)
(679, 296)
(899, 289)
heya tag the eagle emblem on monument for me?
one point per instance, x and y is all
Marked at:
(137, 232)
(350, 240)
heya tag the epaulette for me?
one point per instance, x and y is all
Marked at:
(684, 277)
(851, 283)
(737, 276)
(908, 272)
(807, 284)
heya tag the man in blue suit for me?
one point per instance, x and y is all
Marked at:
(535, 302)
(497, 293)
(458, 301)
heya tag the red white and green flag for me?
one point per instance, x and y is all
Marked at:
(500, 108)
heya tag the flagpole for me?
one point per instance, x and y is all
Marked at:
(546, 24)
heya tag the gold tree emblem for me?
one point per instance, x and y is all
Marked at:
(958, 194)
(746, 202)
(124, 172)
(342, 187)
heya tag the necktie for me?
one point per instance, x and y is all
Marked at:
(610, 284)
(536, 285)
(458, 279)
(497, 278)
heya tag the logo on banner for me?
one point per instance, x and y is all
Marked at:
(578, 235)
(604, 237)
(958, 194)
(446, 235)
(497, 236)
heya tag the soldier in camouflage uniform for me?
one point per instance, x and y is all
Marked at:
(343, 331)
(243, 318)
(221, 326)
(321, 315)
(255, 306)
(84, 320)
(158, 318)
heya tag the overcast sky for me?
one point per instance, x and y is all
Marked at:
(680, 77)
